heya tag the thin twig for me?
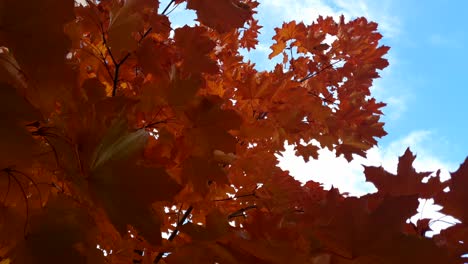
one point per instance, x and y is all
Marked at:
(8, 190)
(440, 220)
(156, 123)
(235, 197)
(291, 66)
(168, 13)
(9, 173)
(33, 183)
(323, 99)
(102, 58)
(167, 7)
(239, 196)
(104, 41)
(178, 212)
(114, 61)
(143, 36)
(311, 75)
(241, 212)
(116, 74)
(175, 232)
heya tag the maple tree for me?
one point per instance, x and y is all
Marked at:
(157, 144)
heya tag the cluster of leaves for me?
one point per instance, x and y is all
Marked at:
(158, 144)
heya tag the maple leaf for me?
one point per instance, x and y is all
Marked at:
(453, 201)
(154, 58)
(94, 89)
(124, 21)
(216, 227)
(420, 227)
(10, 70)
(59, 233)
(355, 230)
(307, 151)
(11, 227)
(450, 238)
(269, 238)
(118, 144)
(195, 47)
(287, 32)
(45, 68)
(127, 199)
(16, 141)
(211, 172)
(223, 16)
(202, 253)
(406, 182)
(412, 249)
(249, 36)
(210, 129)
(280, 192)
(125, 128)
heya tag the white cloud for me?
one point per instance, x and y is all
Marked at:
(301, 10)
(378, 11)
(398, 105)
(349, 177)
(328, 169)
(309, 10)
(427, 209)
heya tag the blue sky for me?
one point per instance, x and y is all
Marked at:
(427, 57)
(424, 85)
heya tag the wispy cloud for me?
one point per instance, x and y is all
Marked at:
(301, 10)
(396, 106)
(349, 176)
(309, 10)
(378, 11)
(444, 41)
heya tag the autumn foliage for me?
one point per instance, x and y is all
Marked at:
(158, 144)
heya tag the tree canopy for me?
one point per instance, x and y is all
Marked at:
(127, 140)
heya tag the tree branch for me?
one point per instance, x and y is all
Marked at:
(116, 74)
(167, 7)
(114, 61)
(241, 211)
(311, 75)
(143, 36)
(323, 99)
(239, 196)
(235, 197)
(175, 232)
(168, 13)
